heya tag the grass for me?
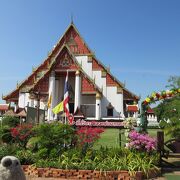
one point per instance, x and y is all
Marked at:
(111, 138)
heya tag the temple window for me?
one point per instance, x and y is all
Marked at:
(110, 110)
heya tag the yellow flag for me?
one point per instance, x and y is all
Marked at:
(58, 108)
(49, 101)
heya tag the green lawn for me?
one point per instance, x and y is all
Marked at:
(110, 137)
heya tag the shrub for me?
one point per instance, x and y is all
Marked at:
(6, 150)
(50, 138)
(130, 122)
(87, 136)
(171, 127)
(6, 135)
(21, 134)
(26, 156)
(10, 121)
(141, 142)
(103, 159)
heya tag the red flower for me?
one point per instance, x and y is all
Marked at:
(88, 135)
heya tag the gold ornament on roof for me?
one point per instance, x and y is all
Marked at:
(77, 72)
(98, 95)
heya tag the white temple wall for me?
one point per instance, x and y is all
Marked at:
(110, 94)
(86, 66)
(116, 100)
(100, 81)
(23, 100)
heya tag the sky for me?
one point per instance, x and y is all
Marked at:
(138, 39)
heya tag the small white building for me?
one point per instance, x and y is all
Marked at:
(152, 118)
(92, 87)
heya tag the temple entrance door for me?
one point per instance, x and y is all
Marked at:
(71, 107)
(71, 99)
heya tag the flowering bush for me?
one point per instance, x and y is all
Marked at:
(141, 142)
(130, 123)
(88, 135)
(21, 134)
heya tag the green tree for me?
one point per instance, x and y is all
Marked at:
(170, 108)
(174, 82)
(50, 139)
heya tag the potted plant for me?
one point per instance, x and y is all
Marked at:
(172, 128)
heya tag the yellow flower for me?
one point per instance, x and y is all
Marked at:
(148, 100)
(153, 94)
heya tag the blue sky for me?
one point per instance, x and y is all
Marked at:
(139, 40)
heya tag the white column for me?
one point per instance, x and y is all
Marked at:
(77, 98)
(51, 93)
(98, 106)
(15, 107)
(56, 100)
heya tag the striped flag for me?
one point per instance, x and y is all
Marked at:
(66, 97)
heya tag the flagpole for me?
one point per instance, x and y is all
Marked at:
(65, 118)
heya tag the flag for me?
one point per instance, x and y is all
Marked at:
(58, 108)
(69, 116)
(49, 101)
(66, 97)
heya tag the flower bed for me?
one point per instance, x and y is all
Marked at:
(85, 174)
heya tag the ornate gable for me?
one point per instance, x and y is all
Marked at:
(75, 42)
(64, 61)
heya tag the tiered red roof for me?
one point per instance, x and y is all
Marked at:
(150, 111)
(132, 108)
(4, 107)
(76, 45)
(96, 65)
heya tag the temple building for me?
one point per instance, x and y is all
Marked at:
(3, 109)
(93, 90)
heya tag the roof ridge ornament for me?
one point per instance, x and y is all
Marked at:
(72, 18)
